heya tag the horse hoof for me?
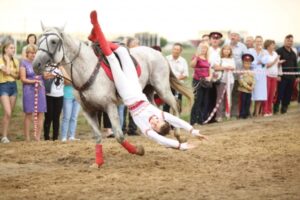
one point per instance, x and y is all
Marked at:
(95, 165)
(140, 150)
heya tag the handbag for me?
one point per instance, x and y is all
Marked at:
(205, 83)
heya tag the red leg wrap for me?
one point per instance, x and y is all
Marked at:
(99, 155)
(99, 34)
(129, 147)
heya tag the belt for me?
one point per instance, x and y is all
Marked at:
(135, 105)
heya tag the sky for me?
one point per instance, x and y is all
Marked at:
(176, 20)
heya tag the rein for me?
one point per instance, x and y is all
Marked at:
(59, 46)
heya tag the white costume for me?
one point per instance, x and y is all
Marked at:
(141, 110)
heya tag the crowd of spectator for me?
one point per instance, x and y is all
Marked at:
(230, 79)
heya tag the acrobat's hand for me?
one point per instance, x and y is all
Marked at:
(187, 145)
(93, 16)
(198, 135)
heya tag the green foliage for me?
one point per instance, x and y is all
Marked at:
(20, 45)
(163, 42)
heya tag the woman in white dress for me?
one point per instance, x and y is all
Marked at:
(259, 93)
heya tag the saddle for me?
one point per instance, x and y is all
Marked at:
(105, 65)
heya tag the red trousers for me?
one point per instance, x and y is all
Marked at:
(271, 89)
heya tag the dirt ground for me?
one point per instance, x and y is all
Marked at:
(244, 159)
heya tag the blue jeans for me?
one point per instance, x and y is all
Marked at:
(8, 88)
(71, 110)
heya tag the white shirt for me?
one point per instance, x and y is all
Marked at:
(178, 66)
(268, 58)
(238, 50)
(57, 90)
(225, 62)
(214, 56)
(144, 112)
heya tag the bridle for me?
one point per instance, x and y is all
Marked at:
(52, 66)
(59, 46)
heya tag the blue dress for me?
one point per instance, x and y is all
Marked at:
(259, 92)
(28, 90)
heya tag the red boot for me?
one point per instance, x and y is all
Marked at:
(99, 34)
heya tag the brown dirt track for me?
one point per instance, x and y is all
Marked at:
(245, 159)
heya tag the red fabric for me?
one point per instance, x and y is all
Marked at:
(295, 91)
(135, 105)
(271, 89)
(129, 147)
(99, 155)
(99, 34)
(227, 108)
(158, 101)
(113, 46)
(109, 73)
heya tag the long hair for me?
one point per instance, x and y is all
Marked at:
(201, 45)
(3, 52)
(31, 35)
(226, 46)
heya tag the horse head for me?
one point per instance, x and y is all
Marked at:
(50, 48)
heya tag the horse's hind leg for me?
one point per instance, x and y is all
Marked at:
(115, 122)
(93, 121)
(167, 95)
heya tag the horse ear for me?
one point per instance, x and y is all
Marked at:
(43, 26)
(62, 28)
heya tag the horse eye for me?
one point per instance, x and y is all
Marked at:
(53, 42)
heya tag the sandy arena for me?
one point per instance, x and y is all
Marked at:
(244, 159)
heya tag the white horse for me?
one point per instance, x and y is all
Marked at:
(95, 91)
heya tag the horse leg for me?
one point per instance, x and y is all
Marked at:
(115, 122)
(168, 97)
(92, 119)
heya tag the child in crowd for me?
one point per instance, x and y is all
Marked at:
(227, 65)
(246, 85)
(9, 73)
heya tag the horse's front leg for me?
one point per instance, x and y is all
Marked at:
(115, 122)
(92, 119)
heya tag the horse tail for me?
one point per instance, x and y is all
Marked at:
(181, 88)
